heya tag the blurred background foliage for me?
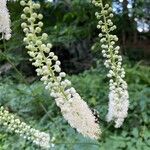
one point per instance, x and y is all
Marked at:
(71, 26)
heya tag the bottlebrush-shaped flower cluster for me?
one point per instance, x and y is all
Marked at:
(4, 20)
(118, 96)
(73, 108)
(15, 125)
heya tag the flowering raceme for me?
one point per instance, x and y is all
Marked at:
(13, 124)
(73, 108)
(118, 96)
(4, 20)
(7, 120)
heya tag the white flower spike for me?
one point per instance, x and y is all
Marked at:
(4, 21)
(73, 108)
(118, 96)
(15, 125)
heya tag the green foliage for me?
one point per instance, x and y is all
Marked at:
(34, 105)
(71, 26)
(14, 46)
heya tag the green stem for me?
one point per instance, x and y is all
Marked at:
(13, 65)
(61, 89)
(109, 43)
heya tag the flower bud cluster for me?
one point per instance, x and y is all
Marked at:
(73, 108)
(118, 96)
(4, 20)
(15, 125)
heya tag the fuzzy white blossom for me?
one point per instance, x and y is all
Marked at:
(118, 107)
(74, 109)
(13, 124)
(8, 120)
(4, 20)
(118, 95)
(80, 117)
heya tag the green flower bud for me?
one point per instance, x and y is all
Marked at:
(40, 16)
(36, 6)
(98, 26)
(22, 3)
(38, 42)
(25, 30)
(23, 16)
(49, 45)
(40, 24)
(44, 36)
(23, 25)
(38, 29)
(26, 10)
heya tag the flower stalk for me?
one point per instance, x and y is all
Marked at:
(118, 95)
(73, 108)
(4, 20)
(13, 124)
